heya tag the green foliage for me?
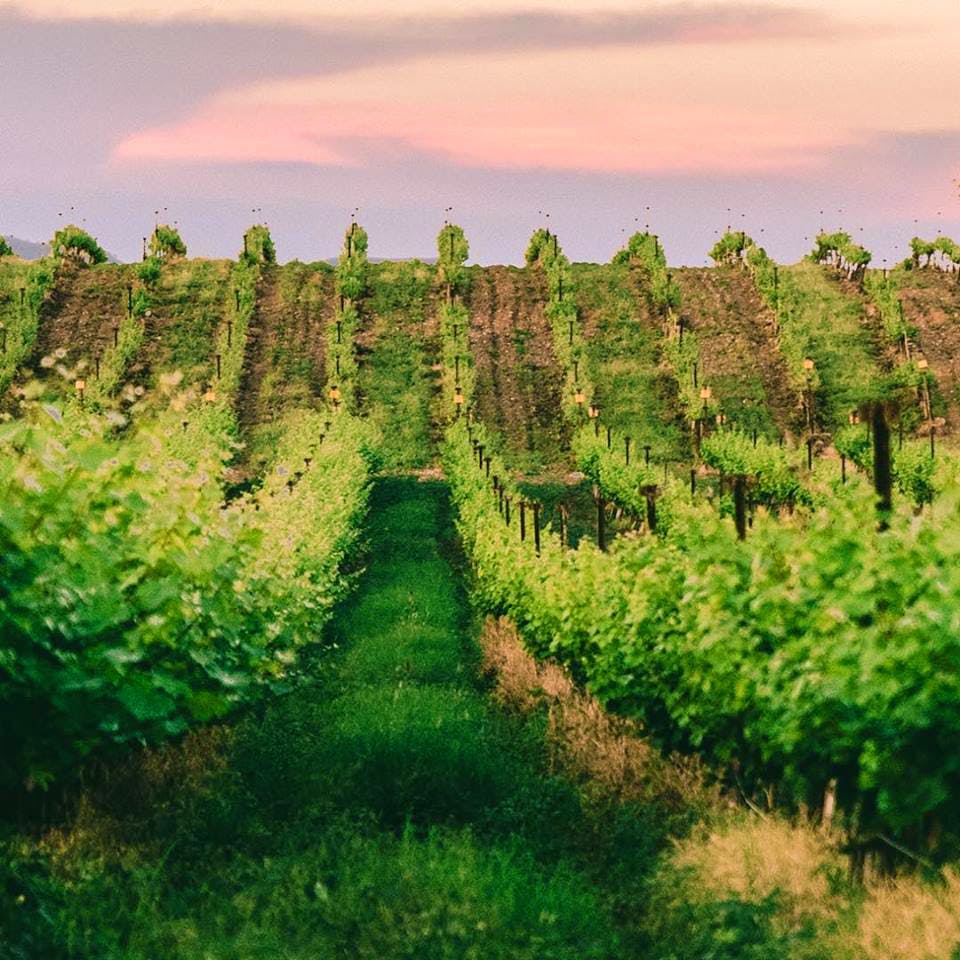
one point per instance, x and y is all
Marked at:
(646, 250)
(544, 251)
(542, 244)
(115, 360)
(942, 253)
(166, 242)
(839, 251)
(382, 809)
(454, 326)
(452, 253)
(162, 609)
(232, 346)
(799, 656)
(352, 267)
(922, 248)
(775, 480)
(75, 244)
(729, 250)
(781, 296)
(855, 444)
(110, 636)
(818, 322)
(258, 246)
(693, 927)
(635, 392)
(393, 380)
(681, 353)
(352, 286)
(195, 296)
(949, 251)
(149, 271)
(884, 291)
(914, 469)
(5, 249)
(373, 896)
(624, 484)
(21, 322)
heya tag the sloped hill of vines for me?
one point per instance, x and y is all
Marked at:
(931, 303)
(843, 335)
(188, 304)
(519, 381)
(13, 276)
(85, 304)
(399, 347)
(636, 393)
(284, 362)
(739, 357)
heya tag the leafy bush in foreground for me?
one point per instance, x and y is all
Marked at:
(132, 604)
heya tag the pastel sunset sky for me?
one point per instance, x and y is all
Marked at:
(607, 114)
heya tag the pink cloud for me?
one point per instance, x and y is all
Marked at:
(620, 136)
(230, 135)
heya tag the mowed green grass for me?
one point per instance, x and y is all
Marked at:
(383, 809)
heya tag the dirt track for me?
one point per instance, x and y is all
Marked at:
(931, 302)
(519, 382)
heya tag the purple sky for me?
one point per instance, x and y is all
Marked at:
(774, 110)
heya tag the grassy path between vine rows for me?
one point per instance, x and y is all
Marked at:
(385, 808)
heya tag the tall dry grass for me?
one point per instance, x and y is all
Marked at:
(608, 754)
(737, 854)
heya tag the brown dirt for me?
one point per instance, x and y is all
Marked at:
(738, 347)
(931, 301)
(83, 306)
(286, 339)
(519, 381)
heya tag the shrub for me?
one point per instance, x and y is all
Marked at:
(76, 244)
(258, 246)
(166, 243)
(149, 270)
(452, 250)
(839, 250)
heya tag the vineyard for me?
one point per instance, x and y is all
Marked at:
(437, 610)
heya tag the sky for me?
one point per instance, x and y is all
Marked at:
(597, 117)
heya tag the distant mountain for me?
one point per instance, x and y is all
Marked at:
(34, 251)
(27, 249)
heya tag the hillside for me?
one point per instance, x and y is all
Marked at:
(635, 392)
(397, 350)
(423, 667)
(284, 363)
(931, 303)
(519, 381)
(85, 305)
(739, 356)
(842, 336)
